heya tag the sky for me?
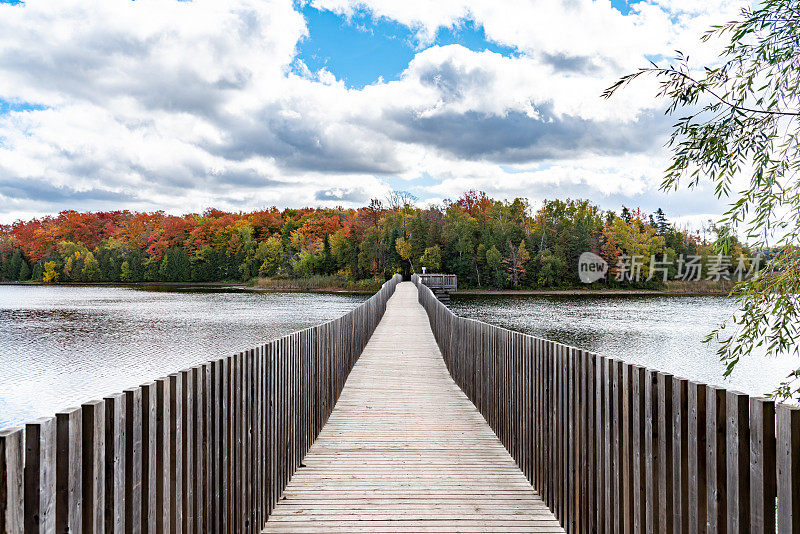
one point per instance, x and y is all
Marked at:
(244, 104)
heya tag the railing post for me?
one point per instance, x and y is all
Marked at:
(93, 448)
(114, 462)
(69, 462)
(40, 480)
(697, 452)
(716, 480)
(763, 481)
(738, 461)
(788, 459)
(680, 452)
(12, 470)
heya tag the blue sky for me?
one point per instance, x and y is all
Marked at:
(361, 49)
(178, 106)
(7, 107)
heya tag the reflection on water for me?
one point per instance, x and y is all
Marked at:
(60, 346)
(660, 332)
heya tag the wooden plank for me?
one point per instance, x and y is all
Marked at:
(162, 477)
(149, 474)
(12, 470)
(69, 438)
(540, 412)
(199, 449)
(187, 450)
(665, 453)
(216, 441)
(114, 462)
(40, 476)
(207, 447)
(788, 460)
(227, 444)
(617, 471)
(640, 481)
(133, 460)
(738, 461)
(716, 457)
(247, 415)
(260, 462)
(626, 453)
(573, 402)
(93, 466)
(592, 489)
(763, 481)
(680, 454)
(651, 452)
(175, 444)
(599, 451)
(563, 447)
(696, 456)
(608, 448)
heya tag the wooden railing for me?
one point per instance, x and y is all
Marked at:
(616, 447)
(207, 449)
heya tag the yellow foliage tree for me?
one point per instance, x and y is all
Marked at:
(50, 274)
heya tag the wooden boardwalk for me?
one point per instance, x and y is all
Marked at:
(405, 450)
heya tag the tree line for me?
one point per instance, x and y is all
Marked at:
(488, 243)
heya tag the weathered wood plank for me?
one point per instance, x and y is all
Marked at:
(738, 461)
(69, 438)
(640, 481)
(12, 472)
(93, 466)
(665, 453)
(716, 456)
(697, 452)
(114, 462)
(763, 481)
(788, 422)
(149, 473)
(40, 476)
(680, 454)
(133, 460)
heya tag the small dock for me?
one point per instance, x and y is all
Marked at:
(442, 285)
(405, 450)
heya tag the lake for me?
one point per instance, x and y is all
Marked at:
(60, 346)
(660, 332)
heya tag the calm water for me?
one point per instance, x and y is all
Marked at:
(60, 346)
(660, 332)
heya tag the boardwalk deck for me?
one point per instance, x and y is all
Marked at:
(405, 451)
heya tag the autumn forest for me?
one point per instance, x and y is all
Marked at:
(486, 242)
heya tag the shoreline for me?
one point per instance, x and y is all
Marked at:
(239, 286)
(339, 289)
(589, 292)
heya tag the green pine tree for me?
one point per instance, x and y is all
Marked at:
(24, 271)
(38, 271)
(14, 265)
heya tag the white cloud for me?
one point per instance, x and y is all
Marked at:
(158, 104)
